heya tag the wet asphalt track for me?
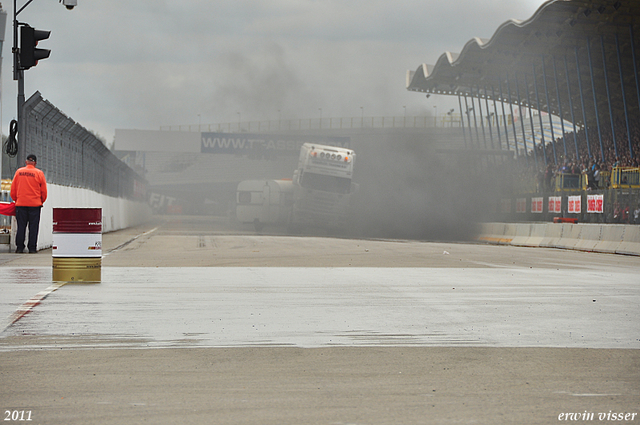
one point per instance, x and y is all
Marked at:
(547, 301)
(194, 322)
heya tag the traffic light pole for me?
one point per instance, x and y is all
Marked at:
(24, 58)
(21, 155)
(18, 74)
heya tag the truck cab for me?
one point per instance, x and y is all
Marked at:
(322, 186)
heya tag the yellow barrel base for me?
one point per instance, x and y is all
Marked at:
(77, 270)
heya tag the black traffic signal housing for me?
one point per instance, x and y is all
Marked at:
(29, 53)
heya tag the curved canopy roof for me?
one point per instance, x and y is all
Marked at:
(556, 52)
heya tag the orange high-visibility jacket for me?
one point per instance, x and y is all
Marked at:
(29, 187)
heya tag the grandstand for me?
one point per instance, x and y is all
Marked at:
(575, 60)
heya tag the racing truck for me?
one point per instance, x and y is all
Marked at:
(322, 186)
(318, 195)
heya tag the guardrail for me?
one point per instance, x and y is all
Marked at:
(625, 178)
(568, 182)
(604, 181)
(619, 178)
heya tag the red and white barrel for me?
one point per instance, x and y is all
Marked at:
(77, 244)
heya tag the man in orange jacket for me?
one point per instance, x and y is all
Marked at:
(29, 191)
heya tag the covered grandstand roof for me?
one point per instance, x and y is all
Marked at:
(565, 51)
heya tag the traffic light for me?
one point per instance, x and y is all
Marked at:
(29, 54)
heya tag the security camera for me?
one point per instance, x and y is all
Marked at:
(69, 4)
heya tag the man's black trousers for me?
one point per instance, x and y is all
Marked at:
(27, 216)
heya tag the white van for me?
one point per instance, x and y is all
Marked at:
(264, 202)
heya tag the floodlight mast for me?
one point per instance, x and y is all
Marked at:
(18, 72)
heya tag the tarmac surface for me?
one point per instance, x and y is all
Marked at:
(197, 321)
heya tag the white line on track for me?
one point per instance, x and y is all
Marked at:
(122, 245)
(28, 305)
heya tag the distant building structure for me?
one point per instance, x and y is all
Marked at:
(198, 172)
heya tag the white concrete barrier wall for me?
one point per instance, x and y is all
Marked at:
(538, 231)
(631, 241)
(509, 233)
(590, 236)
(552, 235)
(117, 213)
(570, 235)
(501, 233)
(611, 238)
(522, 234)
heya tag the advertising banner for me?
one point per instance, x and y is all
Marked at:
(263, 144)
(521, 205)
(595, 204)
(537, 205)
(575, 205)
(555, 204)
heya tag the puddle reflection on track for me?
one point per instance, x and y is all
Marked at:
(315, 307)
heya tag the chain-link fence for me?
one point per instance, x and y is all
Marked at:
(70, 155)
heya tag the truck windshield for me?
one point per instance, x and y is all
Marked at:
(326, 183)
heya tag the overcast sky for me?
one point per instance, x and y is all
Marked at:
(142, 64)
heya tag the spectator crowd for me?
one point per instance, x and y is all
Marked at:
(594, 160)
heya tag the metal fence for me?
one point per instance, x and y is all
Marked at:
(336, 123)
(70, 155)
(625, 178)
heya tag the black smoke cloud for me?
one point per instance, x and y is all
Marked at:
(410, 189)
(260, 85)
